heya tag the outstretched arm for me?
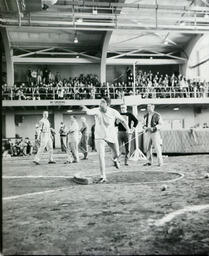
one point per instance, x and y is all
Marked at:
(91, 112)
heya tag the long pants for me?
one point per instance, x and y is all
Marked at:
(83, 145)
(63, 142)
(154, 139)
(72, 148)
(100, 147)
(123, 137)
(46, 141)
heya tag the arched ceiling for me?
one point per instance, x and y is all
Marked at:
(149, 26)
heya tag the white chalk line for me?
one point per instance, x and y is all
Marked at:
(32, 194)
(34, 177)
(170, 216)
(181, 175)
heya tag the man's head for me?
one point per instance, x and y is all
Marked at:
(72, 118)
(150, 108)
(104, 103)
(123, 108)
(45, 114)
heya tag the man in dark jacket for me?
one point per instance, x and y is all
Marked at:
(123, 136)
(153, 123)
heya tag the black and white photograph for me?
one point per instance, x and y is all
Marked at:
(104, 127)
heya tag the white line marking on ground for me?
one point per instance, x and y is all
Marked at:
(34, 193)
(181, 175)
(170, 216)
(34, 177)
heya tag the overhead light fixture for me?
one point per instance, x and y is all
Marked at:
(77, 56)
(142, 109)
(94, 11)
(206, 16)
(75, 38)
(182, 23)
(69, 111)
(80, 20)
(48, 3)
(175, 109)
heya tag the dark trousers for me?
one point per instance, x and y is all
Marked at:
(83, 145)
(63, 143)
(123, 138)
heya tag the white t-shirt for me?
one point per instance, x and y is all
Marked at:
(105, 123)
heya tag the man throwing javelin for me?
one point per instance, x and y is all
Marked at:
(105, 131)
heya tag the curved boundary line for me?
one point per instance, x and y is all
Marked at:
(51, 191)
(181, 175)
(170, 216)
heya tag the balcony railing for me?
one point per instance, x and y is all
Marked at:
(55, 93)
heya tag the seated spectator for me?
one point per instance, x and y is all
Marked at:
(18, 148)
(27, 147)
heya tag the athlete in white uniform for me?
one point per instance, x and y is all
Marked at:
(105, 131)
(45, 138)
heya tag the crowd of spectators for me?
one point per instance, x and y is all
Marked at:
(17, 147)
(44, 85)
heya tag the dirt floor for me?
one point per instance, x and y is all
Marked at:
(116, 218)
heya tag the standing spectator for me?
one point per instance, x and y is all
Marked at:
(72, 141)
(37, 141)
(153, 122)
(93, 137)
(45, 139)
(83, 145)
(123, 135)
(46, 75)
(63, 137)
(58, 77)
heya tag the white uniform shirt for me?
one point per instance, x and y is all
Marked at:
(105, 123)
(44, 125)
(73, 132)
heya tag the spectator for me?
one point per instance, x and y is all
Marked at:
(63, 137)
(27, 147)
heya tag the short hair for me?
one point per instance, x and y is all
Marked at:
(46, 112)
(123, 105)
(151, 105)
(108, 100)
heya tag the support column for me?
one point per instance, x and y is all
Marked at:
(103, 73)
(58, 118)
(134, 76)
(8, 55)
(10, 129)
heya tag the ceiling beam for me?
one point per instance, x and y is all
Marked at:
(40, 60)
(126, 53)
(199, 63)
(130, 5)
(168, 55)
(35, 52)
(90, 26)
(137, 61)
(82, 54)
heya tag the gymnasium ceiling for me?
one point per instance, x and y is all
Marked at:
(145, 27)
